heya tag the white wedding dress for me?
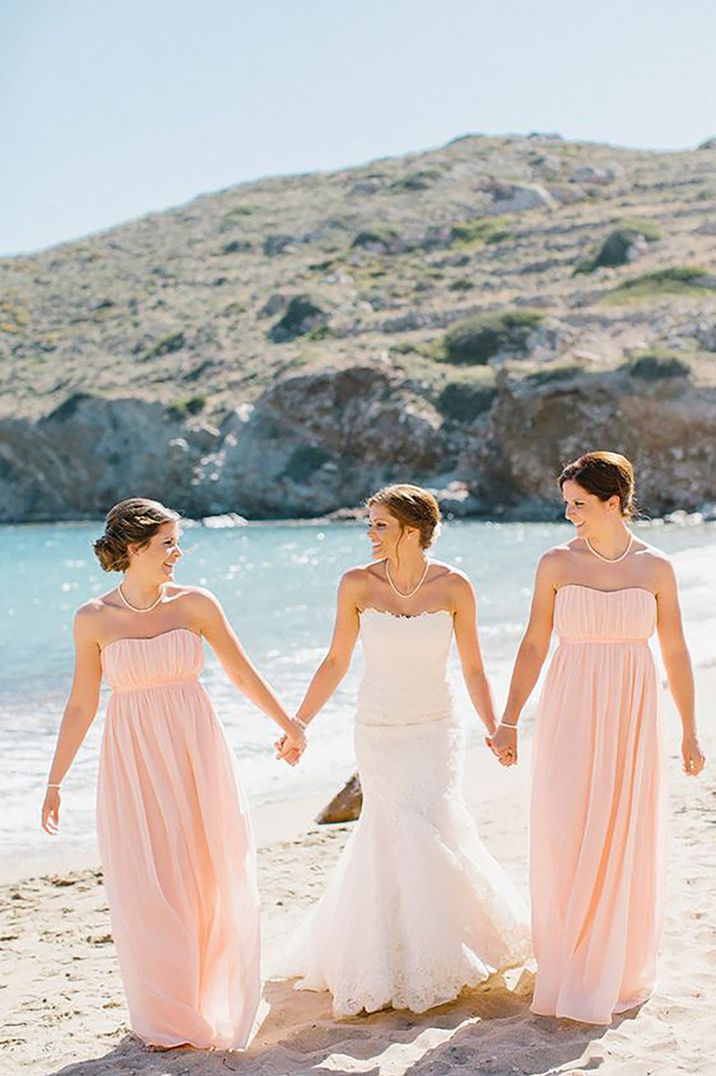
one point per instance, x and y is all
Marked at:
(417, 907)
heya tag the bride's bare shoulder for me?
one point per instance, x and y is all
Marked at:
(455, 579)
(374, 570)
(355, 580)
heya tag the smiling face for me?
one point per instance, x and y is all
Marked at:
(156, 559)
(385, 532)
(587, 512)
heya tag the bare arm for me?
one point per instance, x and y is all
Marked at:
(535, 643)
(334, 666)
(678, 666)
(223, 640)
(530, 658)
(78, 715)
(470, 653)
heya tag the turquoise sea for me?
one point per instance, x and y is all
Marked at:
(277, 583)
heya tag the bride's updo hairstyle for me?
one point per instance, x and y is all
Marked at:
(605, 474)
(412, 506)
(131, 522)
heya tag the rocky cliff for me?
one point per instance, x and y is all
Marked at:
(468, 318)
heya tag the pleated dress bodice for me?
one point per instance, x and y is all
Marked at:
(131, 664)
(587, 615)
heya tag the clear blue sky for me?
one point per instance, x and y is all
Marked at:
(109, 110)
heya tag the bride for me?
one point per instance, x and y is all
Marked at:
(417, 908)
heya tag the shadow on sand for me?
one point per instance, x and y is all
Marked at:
(489, 1030)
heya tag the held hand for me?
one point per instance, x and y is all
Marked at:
(692, 757)
(51, 811)
(291, 745)
(503, 744)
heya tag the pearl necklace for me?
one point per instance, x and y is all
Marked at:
(415, 589)
(136, 609)
(610, 560)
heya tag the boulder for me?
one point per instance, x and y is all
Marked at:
(379, 239)
(236, 246)
(303, 314)
(664, 426)
(90, 453)
(317, 442)
(345, 806)
(519, 197)
(273, 306)
(279, 244)
(621, 246)
(705, 334)
(591, 174)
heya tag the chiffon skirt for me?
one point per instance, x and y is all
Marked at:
(597, 831)
(178, 856)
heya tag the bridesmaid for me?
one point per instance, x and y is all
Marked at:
(598, 799)
(173, 829)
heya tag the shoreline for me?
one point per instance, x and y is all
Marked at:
(63, 1007)
(351, 515)
(274, 822)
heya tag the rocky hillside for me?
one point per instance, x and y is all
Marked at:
(468, 318)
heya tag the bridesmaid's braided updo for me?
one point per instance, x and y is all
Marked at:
(412, 506)
(604, 474)
(131, 522)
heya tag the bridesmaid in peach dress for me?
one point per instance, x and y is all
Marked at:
(598, 800)
(173, 828)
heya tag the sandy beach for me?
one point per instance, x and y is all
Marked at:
(62, 1006)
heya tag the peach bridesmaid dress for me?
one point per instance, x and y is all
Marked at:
(177, 849)
(597, 830)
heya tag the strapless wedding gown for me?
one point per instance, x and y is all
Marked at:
(417, 908)
(177, 849)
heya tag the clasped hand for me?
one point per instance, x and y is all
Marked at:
(503, 744)
(291, 745)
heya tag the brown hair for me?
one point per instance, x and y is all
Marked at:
(131, 522)
(605, 474)
(412, 506)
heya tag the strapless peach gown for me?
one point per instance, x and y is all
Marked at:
(177, 849)
(597, 832)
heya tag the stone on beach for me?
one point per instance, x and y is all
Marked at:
(345, 805)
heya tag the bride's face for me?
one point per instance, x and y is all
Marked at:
(384, 532)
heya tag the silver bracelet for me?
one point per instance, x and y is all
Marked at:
(301, 723)
(505, 725)
(53, 786)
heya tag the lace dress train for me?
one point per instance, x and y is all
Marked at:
(417, 907)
